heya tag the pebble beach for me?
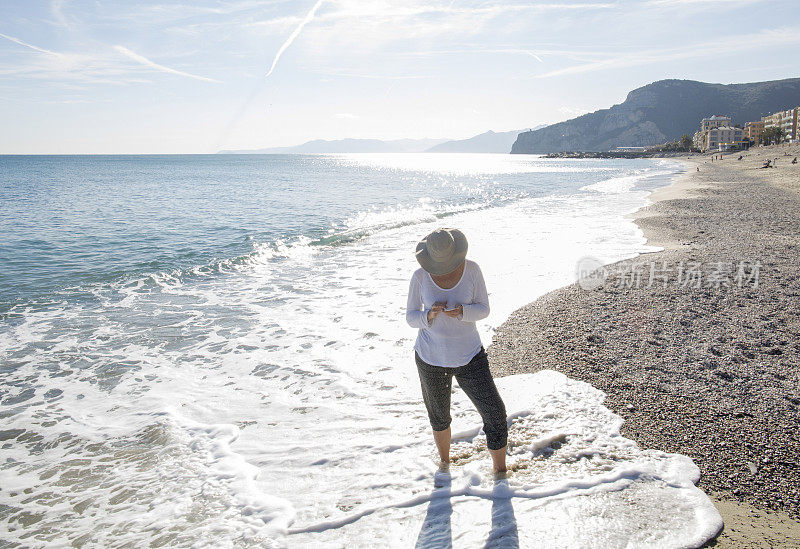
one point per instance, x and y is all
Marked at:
(696, 345)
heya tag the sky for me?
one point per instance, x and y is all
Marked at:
(96, 76)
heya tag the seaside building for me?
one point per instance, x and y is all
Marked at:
(697, 140)
(714, 121)
(786, 120)
(753, 130)
(723, 138)
(714, 131)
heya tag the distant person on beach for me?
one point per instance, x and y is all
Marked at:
(445, 299)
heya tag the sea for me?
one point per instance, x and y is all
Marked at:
(211, 351)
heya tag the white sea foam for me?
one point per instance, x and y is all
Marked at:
(275, 402)
(624, 183)
(576, 482)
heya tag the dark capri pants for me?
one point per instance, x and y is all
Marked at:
(476, 381)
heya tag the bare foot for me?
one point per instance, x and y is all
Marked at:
(500, 475)
(441, 477)
(499, 459)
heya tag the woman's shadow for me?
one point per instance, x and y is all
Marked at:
(504, 532)
(436, 532)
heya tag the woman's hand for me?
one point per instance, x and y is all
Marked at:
(455, 312)
(437, 308)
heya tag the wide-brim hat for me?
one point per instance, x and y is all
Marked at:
(442, 251)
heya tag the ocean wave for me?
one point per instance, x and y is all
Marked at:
(280, 378)
(160, 477)
(355, 228)
(625, 183)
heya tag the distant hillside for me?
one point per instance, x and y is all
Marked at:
(489, 142)
(660, 112)
(347, 146)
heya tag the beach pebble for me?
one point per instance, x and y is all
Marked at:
(711, 373)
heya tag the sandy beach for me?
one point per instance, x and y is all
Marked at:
(696, 345)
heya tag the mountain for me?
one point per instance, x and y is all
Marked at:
(660, 112)
(489, 142)
(348, 146)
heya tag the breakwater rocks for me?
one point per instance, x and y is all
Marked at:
(618, 154)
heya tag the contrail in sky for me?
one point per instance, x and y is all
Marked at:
(262, 82)
(21, 43)
(309, 16)
(539, 59)
(146, 62)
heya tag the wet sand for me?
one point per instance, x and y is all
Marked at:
(696, 346)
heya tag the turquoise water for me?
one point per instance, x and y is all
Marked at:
(211, 350)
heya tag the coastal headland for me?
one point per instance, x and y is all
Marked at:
(696, 346)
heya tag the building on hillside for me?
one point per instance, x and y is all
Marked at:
(753, 130)
(722, 138)
(785, 120)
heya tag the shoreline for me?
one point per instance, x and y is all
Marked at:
(706, 372)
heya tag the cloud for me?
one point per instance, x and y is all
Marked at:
(346, 116)
(781, 37)
(372, 76)
(31, 46)
(94, 67)
(594, 53)
(699, 3)
(307, 19)
(366, 27)
(276, 24)
(69, 70)
(153, 65)
(58, 13)
(173, 12)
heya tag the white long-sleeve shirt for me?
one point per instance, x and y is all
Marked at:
(447, 341)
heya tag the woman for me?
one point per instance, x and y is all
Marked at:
(445, 299)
